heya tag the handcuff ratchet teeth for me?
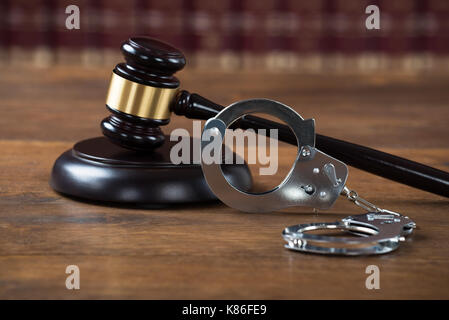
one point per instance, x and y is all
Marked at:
(315, 180)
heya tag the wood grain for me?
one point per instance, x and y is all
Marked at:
(209, 250)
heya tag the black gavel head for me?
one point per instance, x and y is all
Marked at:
(141, 92)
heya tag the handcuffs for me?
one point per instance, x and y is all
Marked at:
(316, 180)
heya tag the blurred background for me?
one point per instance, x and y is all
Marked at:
(279, 35)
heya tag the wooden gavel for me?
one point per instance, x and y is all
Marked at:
(143, 94)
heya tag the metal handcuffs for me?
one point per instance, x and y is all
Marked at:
(315, 180)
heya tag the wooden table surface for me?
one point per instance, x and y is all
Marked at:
(210, 251)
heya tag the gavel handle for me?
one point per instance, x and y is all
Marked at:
(380, 163)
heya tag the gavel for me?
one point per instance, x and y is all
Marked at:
(144, 93)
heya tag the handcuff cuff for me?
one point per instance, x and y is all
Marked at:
(315, 180)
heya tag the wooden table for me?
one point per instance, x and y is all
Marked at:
(210, 251)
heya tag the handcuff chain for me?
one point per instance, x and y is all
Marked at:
(354, 197)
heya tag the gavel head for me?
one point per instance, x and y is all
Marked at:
(141, 92)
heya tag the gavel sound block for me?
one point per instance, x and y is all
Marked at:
(131, 163)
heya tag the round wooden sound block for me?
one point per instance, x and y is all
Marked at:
(96, 169)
